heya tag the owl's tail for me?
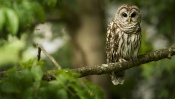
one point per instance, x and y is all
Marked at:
(117, 78)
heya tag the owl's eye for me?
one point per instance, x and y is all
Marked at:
(133, 14)
(124, 14)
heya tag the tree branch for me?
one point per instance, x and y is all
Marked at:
(121, 66)
(117, 67)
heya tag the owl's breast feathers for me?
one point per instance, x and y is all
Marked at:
(122, 44)
(130, 28)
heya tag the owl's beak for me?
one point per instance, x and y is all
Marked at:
(129, 20)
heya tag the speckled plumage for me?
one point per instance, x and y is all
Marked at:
(123, 38)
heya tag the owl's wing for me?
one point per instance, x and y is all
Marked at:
(112, 42)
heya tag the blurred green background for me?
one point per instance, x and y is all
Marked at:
(74, 31)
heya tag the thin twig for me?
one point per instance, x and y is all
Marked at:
(40, 47)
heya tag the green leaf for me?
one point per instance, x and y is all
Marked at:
(39, 12)
(40, 63)
(9, 87)
(37, 72)
(12, 21)
(52, 3)
(94, 90)
(62, 94)
(28, 64)
(2, 18)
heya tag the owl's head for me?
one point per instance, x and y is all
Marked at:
(128, 15)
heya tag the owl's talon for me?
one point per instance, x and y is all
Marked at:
(122, 60)
(169, 56)
(105, 65)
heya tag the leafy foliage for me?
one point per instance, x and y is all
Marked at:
(19, 16)
(12, 16)
(28, 84)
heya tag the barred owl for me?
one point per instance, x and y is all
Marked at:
(123, 38)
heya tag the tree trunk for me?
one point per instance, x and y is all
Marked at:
(88, 39)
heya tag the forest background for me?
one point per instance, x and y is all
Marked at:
(74, 32)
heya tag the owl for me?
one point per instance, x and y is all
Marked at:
(123, 38)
